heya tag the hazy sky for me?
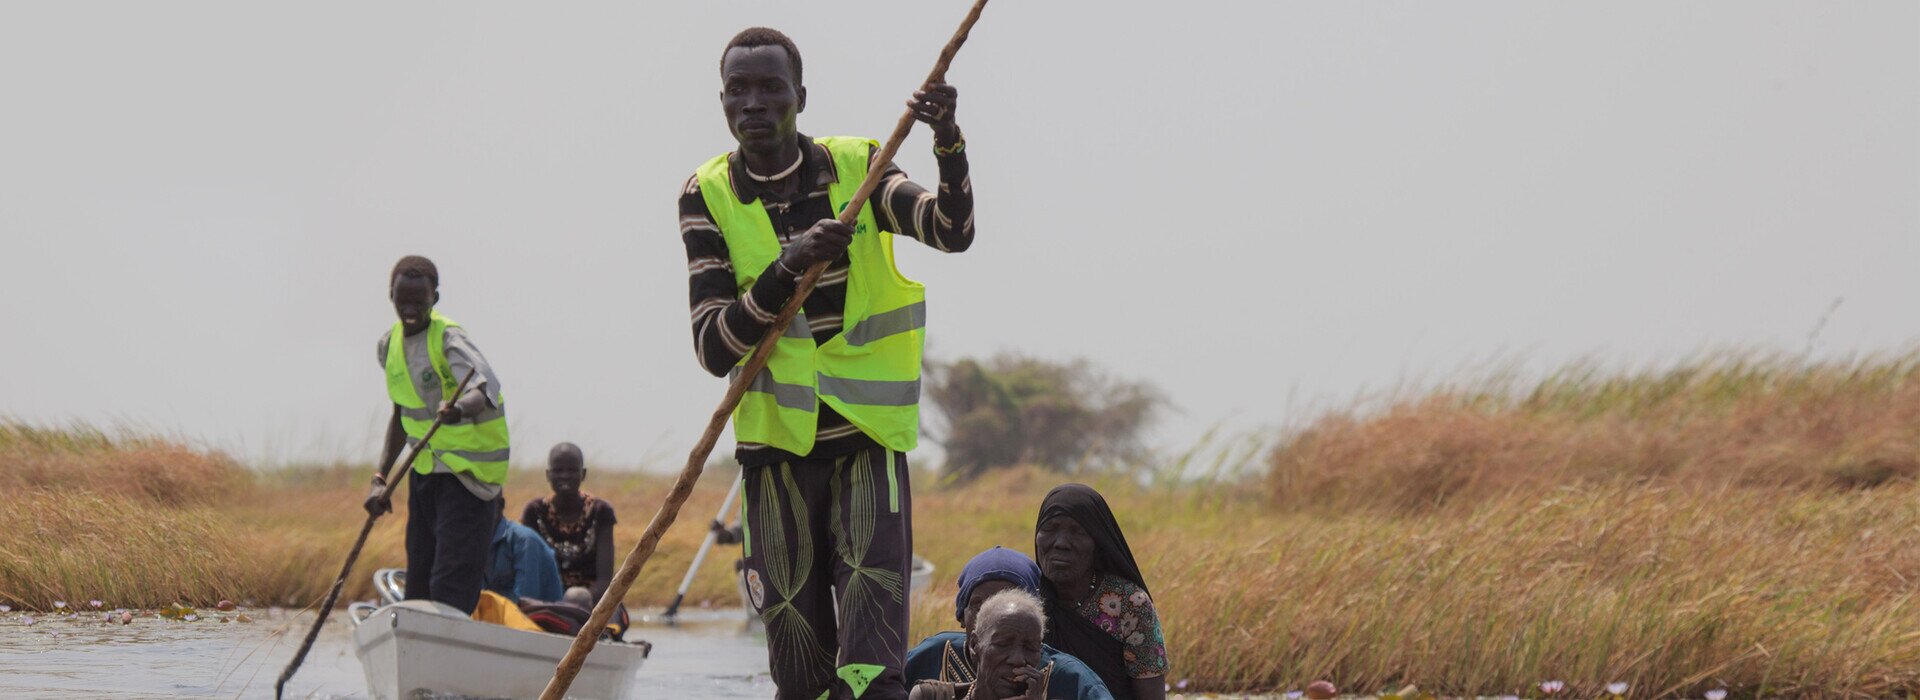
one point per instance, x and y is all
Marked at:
(1264, 208)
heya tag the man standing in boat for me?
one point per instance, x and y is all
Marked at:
(450, 509)
(825, 429)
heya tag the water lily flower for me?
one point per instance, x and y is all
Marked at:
(1294, 695)
(59, 604)
(242, 617)
(190, 617)
(1717, 694)
(1182, 684)
(126, 618)
(28, 620)
(1616, 688)
(95, 603)
(6, 608)
(1552, 687)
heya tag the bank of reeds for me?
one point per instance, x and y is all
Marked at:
(1726, 420)
(1750, 524)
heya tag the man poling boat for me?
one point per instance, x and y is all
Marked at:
(780, 211)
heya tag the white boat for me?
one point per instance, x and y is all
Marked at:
(409, 648)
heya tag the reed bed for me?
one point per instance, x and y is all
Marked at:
(1744, 523)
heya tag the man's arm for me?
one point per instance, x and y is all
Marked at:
(396, 438)
(943, 222)
(483, 393)
(726, 324)
(602, 559)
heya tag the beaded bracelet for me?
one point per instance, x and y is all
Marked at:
(957, 147)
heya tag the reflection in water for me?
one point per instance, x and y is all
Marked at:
(83, 656)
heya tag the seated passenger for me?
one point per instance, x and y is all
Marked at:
(522, 567)
(1007, 653)
(576, 524)
(947, 656)
(579, 527)
(1095, 595)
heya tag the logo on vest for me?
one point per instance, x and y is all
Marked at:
(862, 228)
(427, 377)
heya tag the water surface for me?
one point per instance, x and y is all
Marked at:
(709, 655)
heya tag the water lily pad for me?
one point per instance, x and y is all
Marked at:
(176, 611)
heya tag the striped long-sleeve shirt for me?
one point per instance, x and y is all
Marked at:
(726, 324)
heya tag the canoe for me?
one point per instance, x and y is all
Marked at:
(412, 647)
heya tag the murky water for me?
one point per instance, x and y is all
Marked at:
(709, 655)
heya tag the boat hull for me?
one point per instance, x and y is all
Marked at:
(408, 649)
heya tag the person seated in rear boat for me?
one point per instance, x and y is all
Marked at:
(948, 657)
(1095, 595)
(579, 527)
(523, 568)
(577, 524)
(1004, 647)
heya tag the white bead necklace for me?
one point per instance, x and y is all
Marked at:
(770, 178)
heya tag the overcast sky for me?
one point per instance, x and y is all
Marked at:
(1266, 209)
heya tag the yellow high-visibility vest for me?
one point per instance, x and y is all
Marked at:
(869, 371)
(475, 444)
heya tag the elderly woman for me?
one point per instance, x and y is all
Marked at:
(1005, 645)
(947, 657)
(1095, 595)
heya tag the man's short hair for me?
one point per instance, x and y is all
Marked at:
(415, 266)
(761, 36)
(1007, 604)
(566, 449)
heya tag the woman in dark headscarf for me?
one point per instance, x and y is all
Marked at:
(1097, 602)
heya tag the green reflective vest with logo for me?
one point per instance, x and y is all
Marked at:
(476, 445)
(869, 371)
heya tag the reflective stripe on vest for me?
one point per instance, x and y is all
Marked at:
(870, 371)
(476, 444)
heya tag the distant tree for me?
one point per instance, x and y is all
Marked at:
(1012, 409)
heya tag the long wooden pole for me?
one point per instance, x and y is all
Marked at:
(696, 460)
(673, 608)
(346, 569)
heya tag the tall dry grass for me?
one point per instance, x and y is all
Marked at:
(1750, 524)
(1725, 420)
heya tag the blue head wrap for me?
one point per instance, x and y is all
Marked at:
(997, 564)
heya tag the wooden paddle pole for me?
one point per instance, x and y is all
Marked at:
(353, 555)
(763, 351)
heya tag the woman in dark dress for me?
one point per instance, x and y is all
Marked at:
(578, 526)
(1097, 601)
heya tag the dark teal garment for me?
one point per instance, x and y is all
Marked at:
(1070, 680)
(523, 565)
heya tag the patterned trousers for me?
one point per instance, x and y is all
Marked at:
(828, 546)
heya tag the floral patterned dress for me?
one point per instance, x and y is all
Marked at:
(1126, 612)
(575, 542)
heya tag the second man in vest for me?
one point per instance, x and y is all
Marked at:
(450, 510)
(824, 431)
